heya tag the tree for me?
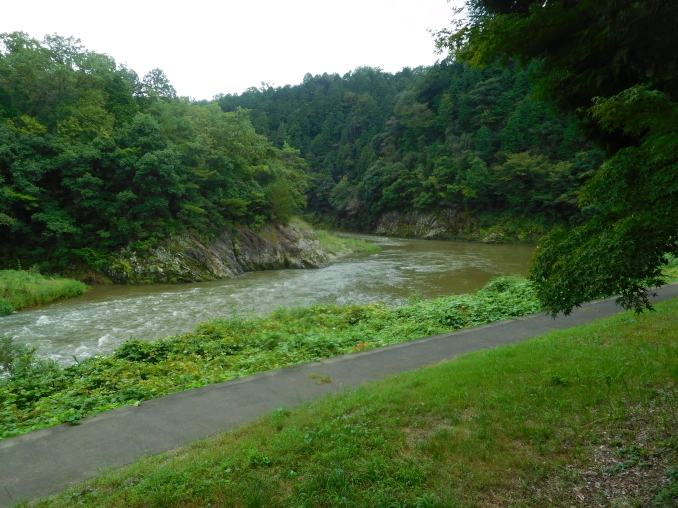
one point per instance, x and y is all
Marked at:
(156, 84)
(613, 64)
(92, 158)
(531, 183)
(484, 142)
(474, 180)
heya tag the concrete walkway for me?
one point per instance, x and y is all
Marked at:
(46, 461)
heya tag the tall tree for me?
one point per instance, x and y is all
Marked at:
(613, 64)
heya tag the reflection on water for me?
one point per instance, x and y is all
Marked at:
(108, 315)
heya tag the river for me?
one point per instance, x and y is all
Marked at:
(108, 315)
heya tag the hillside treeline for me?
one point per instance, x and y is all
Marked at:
(447, 136)
(93, 157)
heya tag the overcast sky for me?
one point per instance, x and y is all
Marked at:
(207, 48)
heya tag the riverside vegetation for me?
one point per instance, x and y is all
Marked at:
(335, 245)
(21, 288)
(36, 393)
(580, 417)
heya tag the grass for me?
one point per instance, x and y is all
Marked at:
(343, 245)
(582, 417)
(510, 229)
(39, 393)
(20, 289)
(336, 245)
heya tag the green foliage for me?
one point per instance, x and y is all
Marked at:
(343, 244)
(20, 288)
(92, 158)
(12, 355)
(603, 61)
(513, 229)
(534, 184)
(45, 394)
(523, 425)
(426, 138)
(634, 212)
(111, 159)
(668, 494)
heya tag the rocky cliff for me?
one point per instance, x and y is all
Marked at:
(186, 258)
(455, 225)
(448, 224)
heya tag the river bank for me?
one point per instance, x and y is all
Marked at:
(189, 258)
(456, 225)
(180, 259)
(20, 289)
(39, 393)
(578, 417)
(448, 224)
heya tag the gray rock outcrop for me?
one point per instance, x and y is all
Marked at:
(186, 258)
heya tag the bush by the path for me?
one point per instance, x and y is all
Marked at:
(38, 393)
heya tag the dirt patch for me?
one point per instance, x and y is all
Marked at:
(628, 465)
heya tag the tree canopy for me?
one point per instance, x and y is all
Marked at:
(93, 158)
(612, 64)
(444, 137)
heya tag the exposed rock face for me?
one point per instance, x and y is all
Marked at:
(454, 225)
(448, 224)
(185, 258)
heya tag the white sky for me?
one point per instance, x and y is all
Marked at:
(210, 47)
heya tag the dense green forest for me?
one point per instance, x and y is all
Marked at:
(446, 136)
(93, 157)
(611, 64)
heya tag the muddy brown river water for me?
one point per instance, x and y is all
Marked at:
(108, 315)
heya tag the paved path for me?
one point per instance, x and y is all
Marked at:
(46, 461)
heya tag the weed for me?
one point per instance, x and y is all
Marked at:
(667, 496)
(343, 244)
(490, 428)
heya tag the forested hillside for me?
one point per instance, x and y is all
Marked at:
(92, 158)
(448, 136)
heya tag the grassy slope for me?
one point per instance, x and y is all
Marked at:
(583, 417)
(335, 245)
(20, 288)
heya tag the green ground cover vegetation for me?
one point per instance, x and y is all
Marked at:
(580, 417)
(336, 245)
(37, 393)
(333, 242)
(22, 288)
